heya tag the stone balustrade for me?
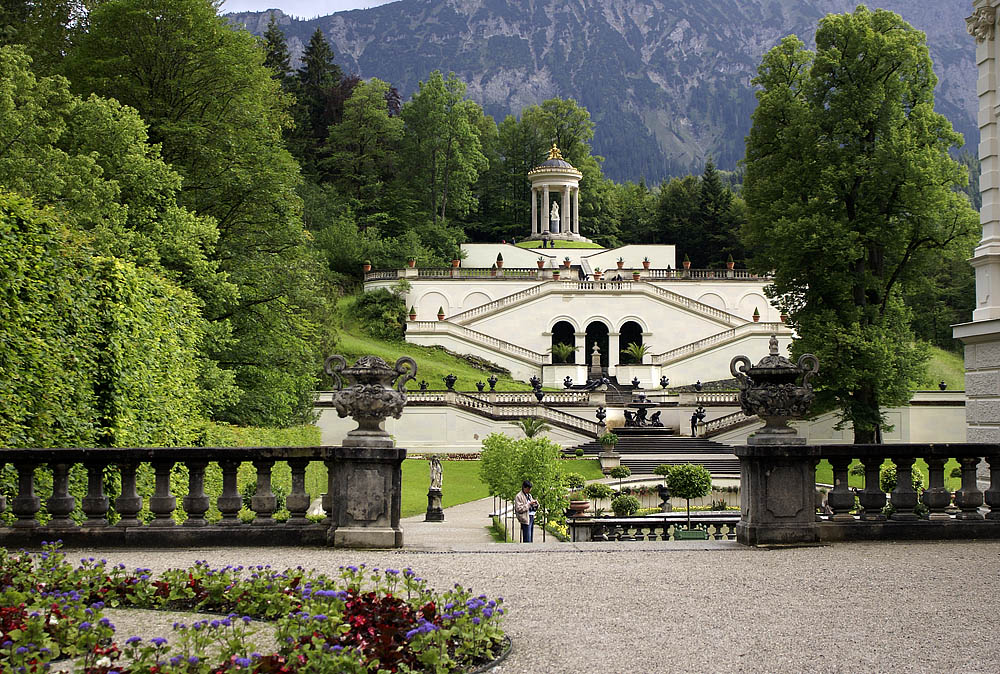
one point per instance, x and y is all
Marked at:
(102, 464)
(720, 527)
(521, 273)
(778, 494)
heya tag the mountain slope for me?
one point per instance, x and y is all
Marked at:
(666, 81)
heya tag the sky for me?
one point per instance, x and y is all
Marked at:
(306, 9)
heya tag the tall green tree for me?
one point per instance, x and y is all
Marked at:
(317, 97)
(441, 147)
(218, 114)
(44, 29)
(851, 192)
(276, 56)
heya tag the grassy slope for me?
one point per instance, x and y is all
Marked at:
(947, 366)
(432, 364)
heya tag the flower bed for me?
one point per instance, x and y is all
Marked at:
(359, 621)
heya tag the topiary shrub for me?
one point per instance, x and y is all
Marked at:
(598, 490)
(620, 472)
(574, 480)
(664, 470)
(579, 451)
(689, 481)
(625, 505)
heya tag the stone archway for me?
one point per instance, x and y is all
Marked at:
(563, 332)
(629, 333)
(597, 333)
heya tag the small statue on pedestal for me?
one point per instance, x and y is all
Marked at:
(434, 511)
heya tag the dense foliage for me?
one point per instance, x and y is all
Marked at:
(852, 198)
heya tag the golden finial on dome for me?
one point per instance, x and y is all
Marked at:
(554, 153)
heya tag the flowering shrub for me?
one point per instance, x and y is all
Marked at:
(361, 620)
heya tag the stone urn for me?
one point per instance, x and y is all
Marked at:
(775, 389)
(374, 391)
(578, 508)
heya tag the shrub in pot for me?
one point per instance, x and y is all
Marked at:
(689, 481)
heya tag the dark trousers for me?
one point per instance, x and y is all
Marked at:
(528, 530)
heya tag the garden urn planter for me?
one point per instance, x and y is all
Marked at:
(555, 275)
(366, 267)
(597, 276)
(635, 276)
(621, 263)
(645, 264)
(686, 264)
(455, 263)
(578, 508)
(541, 264)
(566, 263)
(411, 263)
(730, 265)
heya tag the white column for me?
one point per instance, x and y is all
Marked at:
(564, 221)
(614, 353)
(545, 208)
(576, 211)
(534, 211)
(986, 258)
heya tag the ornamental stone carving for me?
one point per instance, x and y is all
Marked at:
(370, 396)
(775, 389)
(982, 24)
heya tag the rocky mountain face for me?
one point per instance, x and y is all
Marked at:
(667, 82)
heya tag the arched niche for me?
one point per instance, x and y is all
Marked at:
(476, 298)
(629, 333)
(563, 332)
(713, 300)
(428, 304)
(597, 333)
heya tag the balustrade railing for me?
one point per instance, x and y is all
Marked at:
(121, 466)
(717, 398)
(711, 341)
(661, 528)
(384, 274)
(449, 327)
(715, 426)
(774, 511)
(716, 274)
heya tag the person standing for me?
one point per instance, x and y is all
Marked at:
(525, 506)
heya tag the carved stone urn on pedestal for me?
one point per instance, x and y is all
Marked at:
(777, 486)
(365, 474)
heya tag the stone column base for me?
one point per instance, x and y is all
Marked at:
(434, 511)
(367, 537)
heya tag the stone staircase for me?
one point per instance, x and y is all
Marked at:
(643, 449)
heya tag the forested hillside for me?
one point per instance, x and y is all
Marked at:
(667, 82)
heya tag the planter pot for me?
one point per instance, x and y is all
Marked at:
(440, 317)
(690, 535)
(555, 276)
(635, 276)
(578, 508)
(597, 275)
(621, 264)
(645, 264)
(609, 459)
(493, 272)
(541, 264)
(455, 263)
(413, 317)
(730, 265)
(566, 264)
(411, 263)
(784, 318)
(687, 264)
(756, 318)
(499, 264)
(366, 267)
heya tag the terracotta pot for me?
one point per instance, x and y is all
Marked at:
(635, 276)
(566, 264)
(784, 318)
(366, 267)
(578, 508)
(499, 264)
(555, 275)
(541, 264)
(645, 264)
(440, 317)
(687, 264)
(411, 263)
(413, 317)
(730, 265)
(621, 264)
(756, 318)
(455, 263)
(597, 275)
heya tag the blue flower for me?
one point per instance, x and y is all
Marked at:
(84, 626)
(21, 650)
(475, 621)
(193, 659)
(242, 662)
(158, 641)
(133, 640)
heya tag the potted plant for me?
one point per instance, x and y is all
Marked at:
(411, 262)
(541, 262)
(621, 262)
(566, 262)
(555, 274)
(562, 352)
(440, 313)
(413, 313)
(635, 275)
(597, 273)
(784, 318)
(686, 262)
(645, 263)
(635, 352)
(730, 262)
(499, 260)
(367, 266)
(608, 441)
(756, 315)
(689, 481)
(493, 270)
(578, 503)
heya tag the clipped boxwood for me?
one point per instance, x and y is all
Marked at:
(625, 505)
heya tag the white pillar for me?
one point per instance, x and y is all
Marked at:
(614, 353)
(534, 211)
(576, 211)
(564, 221)
(545, 208)
(986, 258)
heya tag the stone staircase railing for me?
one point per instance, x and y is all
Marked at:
(707, 429)
(468, 334)
(688, 350)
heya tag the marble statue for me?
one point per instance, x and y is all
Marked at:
(436, 474)
(554, 212)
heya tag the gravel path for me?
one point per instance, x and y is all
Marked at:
(702, 607)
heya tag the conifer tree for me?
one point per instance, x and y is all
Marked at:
(276, 55)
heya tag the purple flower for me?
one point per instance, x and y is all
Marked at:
(242, 662)
(84, 626)
(133, 640)
(21, 650)
(158, 641)
(193, 659)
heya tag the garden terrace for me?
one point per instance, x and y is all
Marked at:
(102, 464)
(778, 494)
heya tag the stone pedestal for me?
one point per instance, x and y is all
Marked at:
(434, 511)
(609, 460)
(367, 483)
(777, 492)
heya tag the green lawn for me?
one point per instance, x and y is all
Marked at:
(559, 244)
(824, 474)
(947, 366)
